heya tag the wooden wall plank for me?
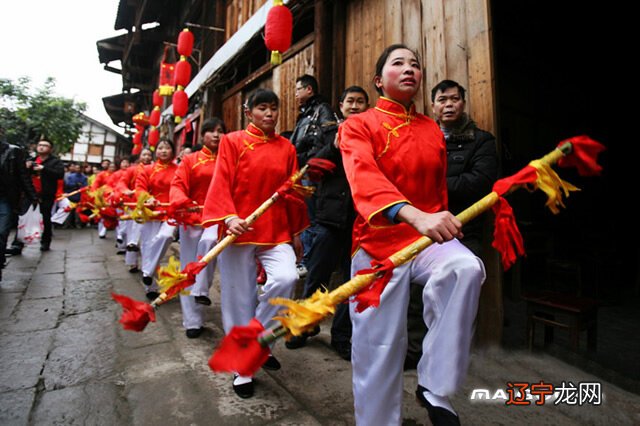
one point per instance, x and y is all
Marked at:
(393, 22)
(285, 83)
(231, 112)
(434, 47)
(412, 37)
(455, 28)
(480, 64)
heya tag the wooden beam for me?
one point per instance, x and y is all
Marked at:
(293, 50)
(323, 46)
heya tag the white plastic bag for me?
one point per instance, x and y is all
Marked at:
(63, 211)
(30, 226)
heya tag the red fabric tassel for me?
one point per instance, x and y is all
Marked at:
(318, 167)
(527, 175)
(506, 235)
(135, 315)
(370, 296)
(584, 155)
(191, 270)
(240, 351)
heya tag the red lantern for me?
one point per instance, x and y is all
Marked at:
(278, 30)
(182, 73)
(165, 81)
(154, 137)
(154, 118)
(140, 119)
(180, 104)
(137, 139)
(185, 43)
(137, 149)
(157, 99)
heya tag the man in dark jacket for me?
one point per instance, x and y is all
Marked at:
(315, 128)
(334, 217)
(16, 190)
(472, 168)
(46, 171)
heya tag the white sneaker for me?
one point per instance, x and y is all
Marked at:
(302, 270)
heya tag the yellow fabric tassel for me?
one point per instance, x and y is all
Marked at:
(142, 213)
(276, 57)
(551, 184)
(304, 315)
(305, 191)
(170, 275)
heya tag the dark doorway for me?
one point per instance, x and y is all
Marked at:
(560, 73)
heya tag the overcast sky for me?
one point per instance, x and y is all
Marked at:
(42, 38)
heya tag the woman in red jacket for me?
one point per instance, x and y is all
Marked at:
(252, 164)
(395, 162)
(156, 235)
(127, 188)
(189, 190)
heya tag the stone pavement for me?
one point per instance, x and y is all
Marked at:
(65, 360)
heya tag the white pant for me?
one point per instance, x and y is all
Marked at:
(238, 289)
(194, 243)
(452, 277)
(102, 230)
(133, 239)
(121, 233)
(155, 239)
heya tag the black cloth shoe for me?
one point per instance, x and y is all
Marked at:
(299, 341)
(152, 295)
(147, 281)
(296, 342)
(121, 252)
(203, 300)
(439, 416)
(272, 364)
(45, 247)
(134, 269)
(194, 333)
(343, 349)
(13, 251)
(244, 390)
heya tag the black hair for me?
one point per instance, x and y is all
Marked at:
(354, 89)
(210, 125)
(447, 84)
(382, 59)
(307, 80)
(261, 96)
(167, 141)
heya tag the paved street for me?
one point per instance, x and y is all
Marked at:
(65, 360)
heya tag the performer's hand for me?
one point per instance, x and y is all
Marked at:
(298, 248)
(237, 226)
(440, 227)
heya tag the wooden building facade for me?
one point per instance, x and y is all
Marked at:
(532, 81)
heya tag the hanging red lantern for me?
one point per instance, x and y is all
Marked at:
(182, 73)
(165, 81)
(185, 43)
(137, 139)
(153, 138)
(140, 119)
(278, 31)
(137, 149)
(157, 99)
(180, 104)
(154, 118)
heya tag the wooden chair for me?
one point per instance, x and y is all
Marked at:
(568, 312)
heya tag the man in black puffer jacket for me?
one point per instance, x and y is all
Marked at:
(334, 217)
(315, 129)
(16, 190)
